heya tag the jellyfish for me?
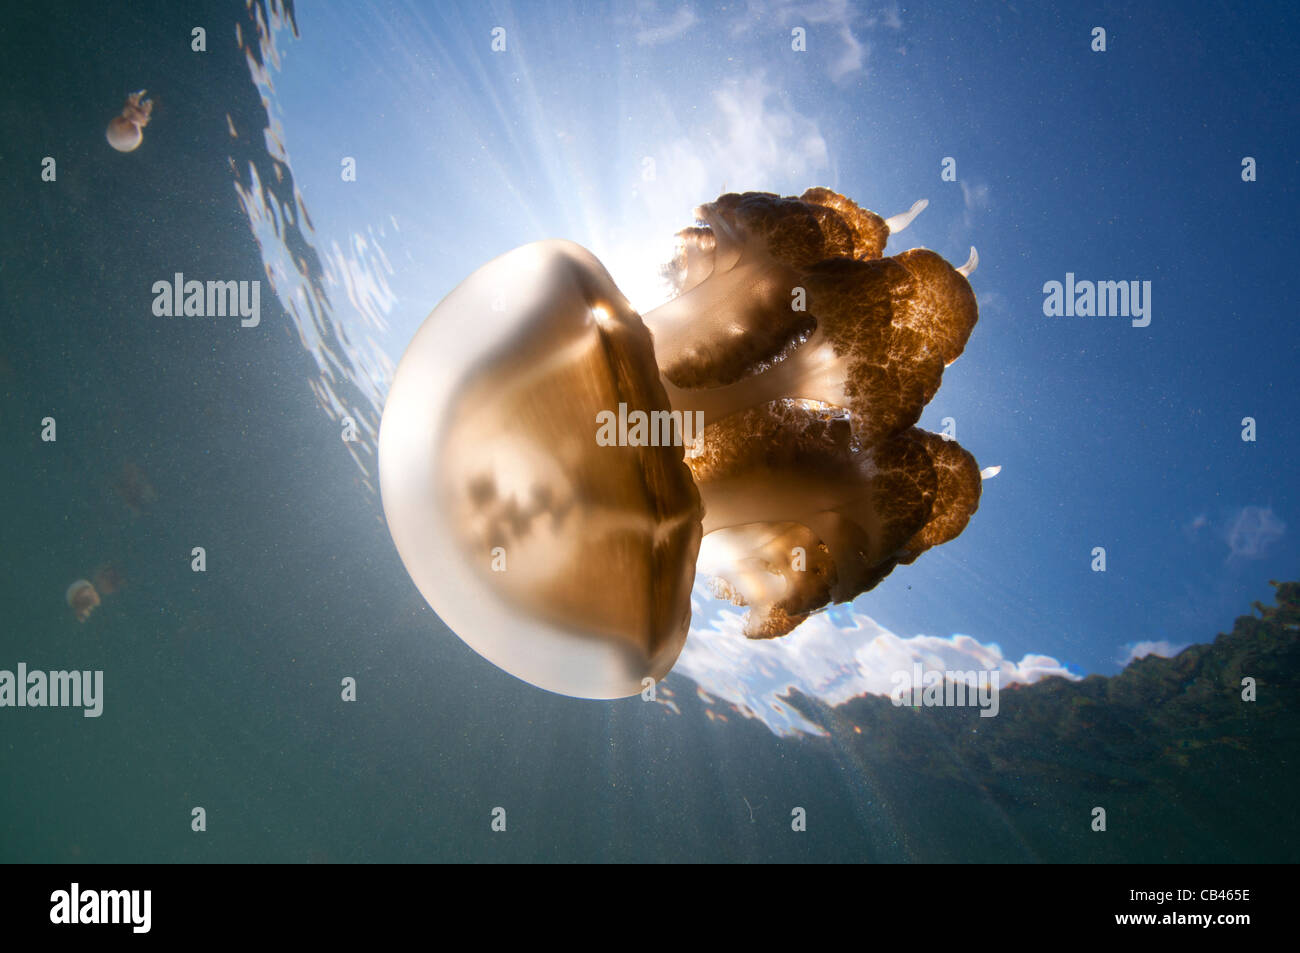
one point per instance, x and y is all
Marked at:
(109, 579)
(800, 354)
(125, 132)
(134, 488)
(82, 599)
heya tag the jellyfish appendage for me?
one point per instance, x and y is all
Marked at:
(134, 488)
(108, 579)
(896, 223)
(137, 109)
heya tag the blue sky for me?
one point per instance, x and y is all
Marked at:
(607, 124)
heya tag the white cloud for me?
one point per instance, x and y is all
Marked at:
(832, 663)
(847, 52)
(680, 22)
(975, 196)
(754, 142)
(851, 59)
(1161, 649)
(1252, 531)
(751, 140)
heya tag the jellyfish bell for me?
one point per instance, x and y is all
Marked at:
(82, 599)
(125, 132)
(124, 135)
(566, 562)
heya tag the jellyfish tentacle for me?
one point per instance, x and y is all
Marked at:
(972, 263)
(896, 223)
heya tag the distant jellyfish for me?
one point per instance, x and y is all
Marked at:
(82, 598)
(125, 132)
(134, 488)
(109, 579)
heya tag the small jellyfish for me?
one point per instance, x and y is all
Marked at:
(134, 488)
(125, 131)
(109, 579)
(82, 598)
